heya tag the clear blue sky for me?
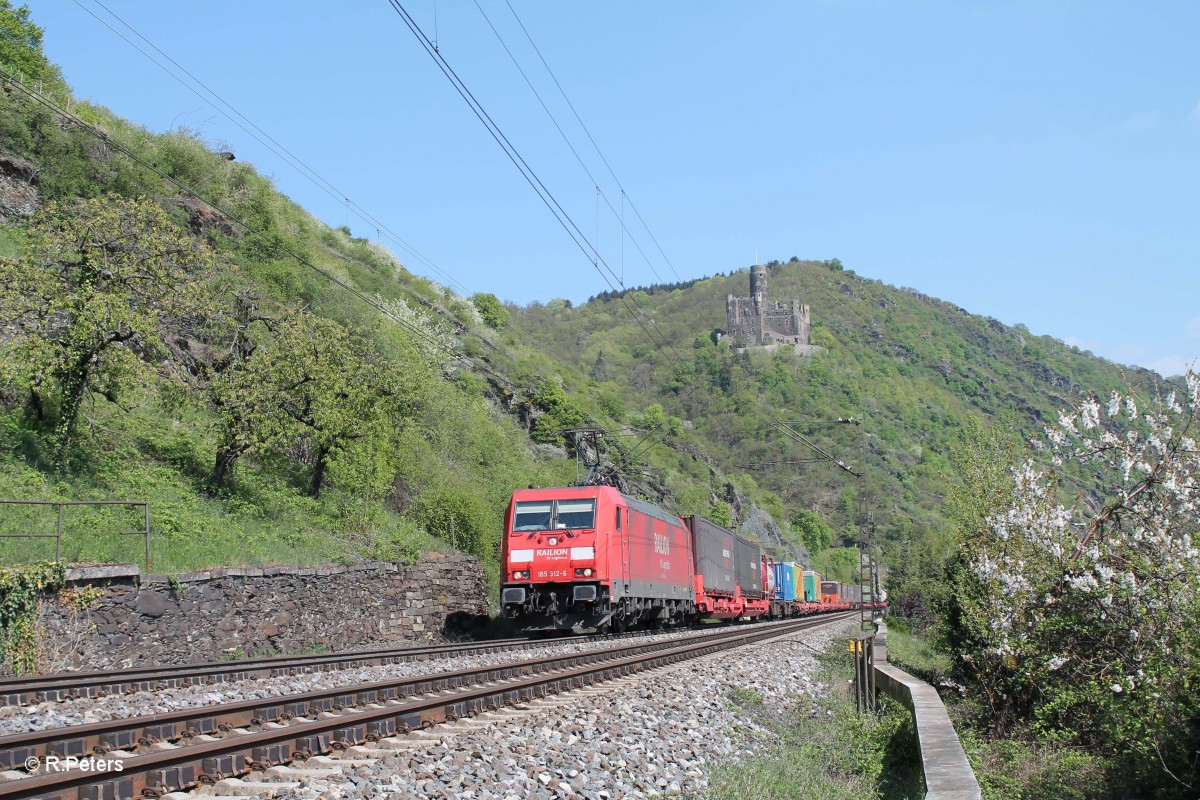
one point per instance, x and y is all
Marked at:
(1037, 162)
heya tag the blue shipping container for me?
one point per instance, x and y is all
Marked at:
(785, 581)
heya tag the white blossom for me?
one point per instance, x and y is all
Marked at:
(1140, 565)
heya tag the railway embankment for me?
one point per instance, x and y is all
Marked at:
(115, 616)
(948, 773)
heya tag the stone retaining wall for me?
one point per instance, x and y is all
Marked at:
(111, 617)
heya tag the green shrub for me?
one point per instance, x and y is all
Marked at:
(491, 309)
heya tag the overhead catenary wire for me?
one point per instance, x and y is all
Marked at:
(567, 140)
(646, 442)
(796, 436)
(101, 135)
(326, 186)
(266, 140)
(591, 139)
(544, 194)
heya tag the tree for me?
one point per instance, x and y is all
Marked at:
(299, 381)
(561, 412)
(459, 516)
(106, 278)
(490, 308)
(1079, 614)
(719, 513)
(814, 531)
(237, 389)
(21, 45)
(318, 382)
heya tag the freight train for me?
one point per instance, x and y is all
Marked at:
(591, 558)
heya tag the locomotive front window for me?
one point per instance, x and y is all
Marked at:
(532, 516)
(575, 514)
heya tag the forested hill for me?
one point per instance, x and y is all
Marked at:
(915, 370)
(173, 329)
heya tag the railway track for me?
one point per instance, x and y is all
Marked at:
(72, 685)
(169, 752)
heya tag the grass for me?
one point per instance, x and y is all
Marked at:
(1024, 765)
(917, 655)
(265, 520)
(824, 749)
(1032, 767)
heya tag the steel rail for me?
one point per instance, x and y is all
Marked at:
(108, 735)
(70, 685)
(149, 729)
(24, 690)
(207, 761)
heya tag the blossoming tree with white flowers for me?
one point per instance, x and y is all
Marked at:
(1078, 609)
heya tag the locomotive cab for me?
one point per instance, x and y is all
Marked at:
(549, 558)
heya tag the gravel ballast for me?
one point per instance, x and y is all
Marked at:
(81, 711)
(642, 736)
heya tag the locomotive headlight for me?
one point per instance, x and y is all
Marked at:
(582, 572)
(587, 572)
(519, 574)
(553, 541)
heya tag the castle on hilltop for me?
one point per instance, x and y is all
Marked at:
(766, 324)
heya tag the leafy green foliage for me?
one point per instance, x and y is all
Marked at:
(315, 382)
(303, 387)
(561, 412)
(21, 45)
(1037, 768)
(102, 279)
(914, 368)
(20, 590)
(813, 530)
(458, 516)
(838, 564)
(490, 308)
(720, 513)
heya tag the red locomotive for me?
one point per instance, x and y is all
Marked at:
(590, 557)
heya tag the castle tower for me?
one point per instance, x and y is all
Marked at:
(758, 291)
(758, 288)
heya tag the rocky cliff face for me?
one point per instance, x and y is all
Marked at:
(18, 190)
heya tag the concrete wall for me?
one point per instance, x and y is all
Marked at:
(948, 773)
(126, 618)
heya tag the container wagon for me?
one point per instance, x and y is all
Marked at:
(785, 581)
(715, 551)
(812, 586)
(751, 585)
(831, 592)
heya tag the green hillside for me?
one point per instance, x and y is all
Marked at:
(913, 369)
(281, 392)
